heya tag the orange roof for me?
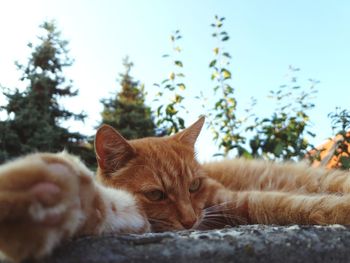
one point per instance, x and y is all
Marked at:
(327, 151)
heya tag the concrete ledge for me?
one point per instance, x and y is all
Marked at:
(254, 243)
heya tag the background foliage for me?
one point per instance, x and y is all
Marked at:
(127, 111)
(35, 117)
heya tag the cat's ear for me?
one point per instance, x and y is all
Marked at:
(189, 135)
(112, 150)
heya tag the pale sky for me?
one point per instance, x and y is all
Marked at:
(266, 37)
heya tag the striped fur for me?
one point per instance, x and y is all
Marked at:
(231, 192)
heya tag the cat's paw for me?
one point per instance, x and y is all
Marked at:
(39, 205)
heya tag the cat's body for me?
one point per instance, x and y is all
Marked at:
(176, 192)
(282, 193)
(48, 198)
(247, 175)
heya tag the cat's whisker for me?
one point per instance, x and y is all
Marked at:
(236, 220)
(223, 217)
(217, 205)
(219, 211)
(223, 210)
(205, 222)
(213, 220)
(211, 224)
(220, 207)
(214, 216)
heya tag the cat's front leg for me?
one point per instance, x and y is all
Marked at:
(46, 198)
(39, 205)
(289, 208)
(112, 211)
(281, 208)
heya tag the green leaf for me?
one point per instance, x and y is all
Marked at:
(245, 154)
(181, 75)
(345, 162)
(159, 110)
(181, 86)
(181, 123)
(212, 63)
(178, 63)
(226, 54)
(178, 98)
(225, 38)
(170, 110)
(168, 86)
(278, 149)
(226, 74)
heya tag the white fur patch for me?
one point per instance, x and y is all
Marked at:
(126, 216)
(39, 213)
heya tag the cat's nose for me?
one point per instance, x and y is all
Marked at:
(188, 223)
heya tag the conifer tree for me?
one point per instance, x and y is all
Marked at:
(127, 111)
(34, 116)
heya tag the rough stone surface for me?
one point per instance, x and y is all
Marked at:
(254, 243)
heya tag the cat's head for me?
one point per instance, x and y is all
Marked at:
(162, 173)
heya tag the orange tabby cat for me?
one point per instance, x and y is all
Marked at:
(46, 198)
(176, 192)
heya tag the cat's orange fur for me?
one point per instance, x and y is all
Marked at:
(163, 174)
(47, 198)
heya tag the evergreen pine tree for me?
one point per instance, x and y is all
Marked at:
(127, 112)
(34, 115)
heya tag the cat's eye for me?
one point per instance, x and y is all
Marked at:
(155, 195)
(195, 185)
